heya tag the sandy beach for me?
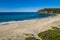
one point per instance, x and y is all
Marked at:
(17, 31)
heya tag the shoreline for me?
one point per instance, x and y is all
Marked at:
(27, 27)
(10, 22)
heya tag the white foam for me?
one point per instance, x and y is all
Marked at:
(9, 22)
(3, 23)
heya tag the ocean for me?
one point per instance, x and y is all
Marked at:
(19, 16)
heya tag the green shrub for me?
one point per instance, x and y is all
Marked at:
(50, 35)
(31, 38)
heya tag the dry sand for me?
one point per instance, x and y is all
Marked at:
(18, 31)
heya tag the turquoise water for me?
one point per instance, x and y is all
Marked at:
(19, 16)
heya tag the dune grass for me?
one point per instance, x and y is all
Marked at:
(50, 34)
(31, 38)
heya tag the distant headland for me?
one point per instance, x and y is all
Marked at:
(49, 11)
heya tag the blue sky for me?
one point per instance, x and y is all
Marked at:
(27, 5)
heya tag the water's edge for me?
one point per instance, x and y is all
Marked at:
(10, 22)
(14, 17)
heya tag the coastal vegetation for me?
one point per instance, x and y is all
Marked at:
(49, 11)
(51, 34)
(31, 38)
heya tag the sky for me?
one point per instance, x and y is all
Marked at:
(27, 5)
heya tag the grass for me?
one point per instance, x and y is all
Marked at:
(53, 34)
(50, 34)
(31, 38)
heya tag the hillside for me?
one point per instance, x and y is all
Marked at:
(49, 11)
